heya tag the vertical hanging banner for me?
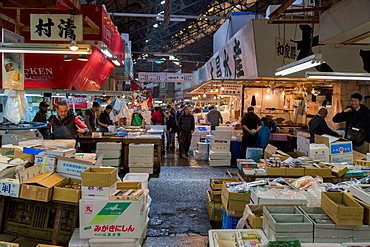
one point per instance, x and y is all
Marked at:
(285, 50)
(13, 63)
(167, 14)
(56, 27)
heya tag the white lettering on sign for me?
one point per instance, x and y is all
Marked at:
(165, 77)
(39, 73)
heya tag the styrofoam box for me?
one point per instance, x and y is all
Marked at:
(112, 162)
(361, 233)
(202, 147)
(109, 145)
(226, 234)
(109, 153)
(364, 244)
(137, 177)
(223, 134)
(141, 170)
(319, 152)
(358, 192)
(274, 201)
(200, 156)
(97, 193)
(342, 158)
(143, 159)
(124, 242)
(219, 162)
(139, 149)
(214, 155)
(76, 241)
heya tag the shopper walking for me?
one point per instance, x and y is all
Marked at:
(41, 117)
(157, 118)
(104, 119)
(91, 118)
(357, 119)
(214, 117)
(171, 129)
(177, 116)
(66, 125)
(318, 125)
(251, 124)
(186, 126)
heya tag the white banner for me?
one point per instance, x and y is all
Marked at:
(165, 77)
(62, 27)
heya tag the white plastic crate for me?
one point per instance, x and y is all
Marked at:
(227, 235)
(124, 242)
(75, 240)
(137, 177)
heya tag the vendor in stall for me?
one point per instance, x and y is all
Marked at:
(214, 117)
(104, 119)
(65, 125)
(41, 117)
(251, 124)
(90, 116)
(318, 125)
(357, 117)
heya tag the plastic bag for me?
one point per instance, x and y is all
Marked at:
(302, 181)
(316, 179)
(15, 106)
(314, 194)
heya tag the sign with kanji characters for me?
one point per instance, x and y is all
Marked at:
(112, 219)
(285, 51)
(165, 77)
(231, 89)
(98, 192)
(56, 27)
(13, 63)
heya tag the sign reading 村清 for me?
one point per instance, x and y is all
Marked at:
(56, 27)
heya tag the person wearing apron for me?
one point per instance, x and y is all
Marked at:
(104, 119)
(65, 125)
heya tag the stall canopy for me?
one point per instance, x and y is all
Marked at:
(51, 70)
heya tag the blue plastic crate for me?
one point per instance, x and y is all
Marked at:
(229, 222)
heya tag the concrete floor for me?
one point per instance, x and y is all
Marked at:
(178, 215)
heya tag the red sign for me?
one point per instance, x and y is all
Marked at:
(79, 102)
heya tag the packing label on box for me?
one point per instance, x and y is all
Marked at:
(98, 192)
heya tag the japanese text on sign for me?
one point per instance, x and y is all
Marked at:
(56, 27)
(285, 50)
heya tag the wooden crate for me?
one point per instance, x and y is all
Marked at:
(214, 209)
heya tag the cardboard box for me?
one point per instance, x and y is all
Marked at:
(366, 207)
(98, 193)
(20, 155)
(336, 145)
(29, 173)
(112, 219)
(350, 214)
(75, 166)
(109, 145)
(361, 163)
(342, 158)
(40, 188)
(99, 177)
(218, 186)
(67, 194)
(9, 187)
(234, 201)
(358, 190)
(255, 217)
(270, 150)
(41, 150)
(294, 172)
(233, 213)
(276, 171)
(303, 144)
(323, 172)
(48, 163)
(7, 170)
(338, 170)
(319, 152)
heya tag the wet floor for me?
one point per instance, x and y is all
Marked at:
(178, 215)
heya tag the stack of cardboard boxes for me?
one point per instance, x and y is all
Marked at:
(141, 158)
(219, 154)
(112, 153)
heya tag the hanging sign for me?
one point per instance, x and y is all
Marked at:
(230, 89)
(56, 27)
(165, 77)
(285, 51)
(13, 63)
(79, 101)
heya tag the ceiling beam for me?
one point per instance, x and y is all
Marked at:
(277, 13)
(171, 16)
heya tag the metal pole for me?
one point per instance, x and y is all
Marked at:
(242, 110)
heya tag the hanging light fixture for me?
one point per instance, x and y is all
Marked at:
(302, 64)
(73, 46)
(204, 95)
(67, 58)
(83, 57)
(222, 88)
(313, 91)
(268, 90)
(57, 93)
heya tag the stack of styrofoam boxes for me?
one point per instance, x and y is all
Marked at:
(112, 153)
(286, 224)
(219, 154)
(141, 158)
(195, 138)
(106, 220)
(201, 153)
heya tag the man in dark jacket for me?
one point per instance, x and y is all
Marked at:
(318, 125)
(186, 125)
(251, 124)
(171, 129)
(42, 118)
(357, 117)
(91, 118)
(214, 117)
(65, 125)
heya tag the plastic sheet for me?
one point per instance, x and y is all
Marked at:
(280, 194)
(15, 106)
(314, 194)
(254, 153)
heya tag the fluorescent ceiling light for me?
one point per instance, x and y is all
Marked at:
(338, 76)
(107, 52)
(33, 95)
(303, 64)
(43, 48)
(116, 62)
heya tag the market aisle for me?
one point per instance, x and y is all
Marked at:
(178, 215)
